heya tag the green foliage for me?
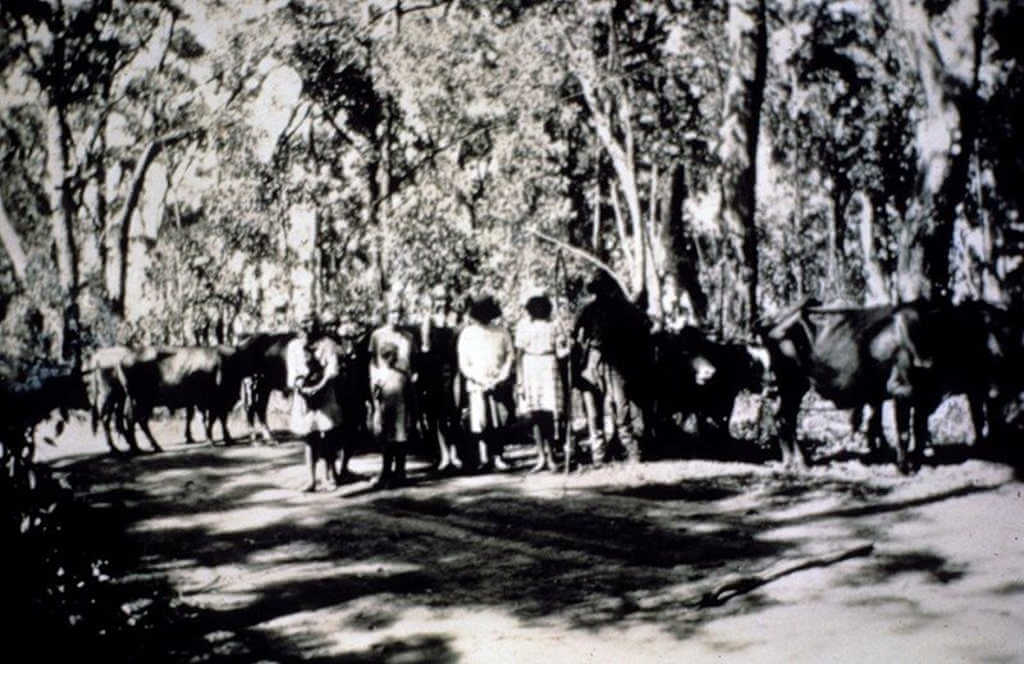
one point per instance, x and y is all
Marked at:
(426, 149)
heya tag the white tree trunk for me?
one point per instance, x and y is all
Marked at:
(12, 244)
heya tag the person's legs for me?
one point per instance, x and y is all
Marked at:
(478, 424)
(628, 423)
(310, 453)
(387, 453)
(400, 450)
(593, 405)
(538, 440)
(544, 426)
(493, 434)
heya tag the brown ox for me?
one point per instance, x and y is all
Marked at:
(206, 378)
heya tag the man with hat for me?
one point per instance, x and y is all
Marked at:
(612, 338)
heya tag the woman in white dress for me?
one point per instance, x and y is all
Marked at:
(486, 356)
(540, 391)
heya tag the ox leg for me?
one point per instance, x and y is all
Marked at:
(874, 434)
(903, 410)
(107, 417)
(876, 438)
(261, 401)
(108, 435)
(130, 420)
(143, 422)
(209, 419)
(789, 410)
(228, 441)
(981, 410)
(190, 412)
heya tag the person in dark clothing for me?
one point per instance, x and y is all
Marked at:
(612, 337)
(438, 363)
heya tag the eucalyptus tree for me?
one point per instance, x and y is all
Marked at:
(108, 85)
(838, 116)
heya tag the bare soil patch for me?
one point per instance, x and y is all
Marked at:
(675, 560)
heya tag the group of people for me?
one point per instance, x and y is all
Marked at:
(442, 381)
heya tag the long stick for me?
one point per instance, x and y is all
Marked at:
(567, 395)
(741, 585)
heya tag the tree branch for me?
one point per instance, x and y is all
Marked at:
(576, 251)
(148, 155)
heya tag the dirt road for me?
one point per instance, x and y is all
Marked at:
(670, 561)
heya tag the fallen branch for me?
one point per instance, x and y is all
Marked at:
(741, 585)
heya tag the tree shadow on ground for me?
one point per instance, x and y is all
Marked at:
(674, 443)
(594, 557)
(888, 565)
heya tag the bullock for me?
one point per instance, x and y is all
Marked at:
(974, 349)
(848, 356)
(208, 378)
(107, 396)
(262, 356)
(695, 374)
(29, 394)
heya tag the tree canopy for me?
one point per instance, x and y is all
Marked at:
(192, 169)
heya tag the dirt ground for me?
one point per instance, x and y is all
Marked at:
(675, 560)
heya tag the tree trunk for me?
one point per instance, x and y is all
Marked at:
(12, 245)
(747, 37)
(837, 240)
(681, 266)
(876, 288)
(943, 139)
(61, 205)
(117, 254)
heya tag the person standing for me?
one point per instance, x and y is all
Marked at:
(614, 354)
(486, 356)
(312, 363)
(539, 386)
(392, 404)
(436, 381)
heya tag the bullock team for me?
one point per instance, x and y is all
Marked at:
(451, 386)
